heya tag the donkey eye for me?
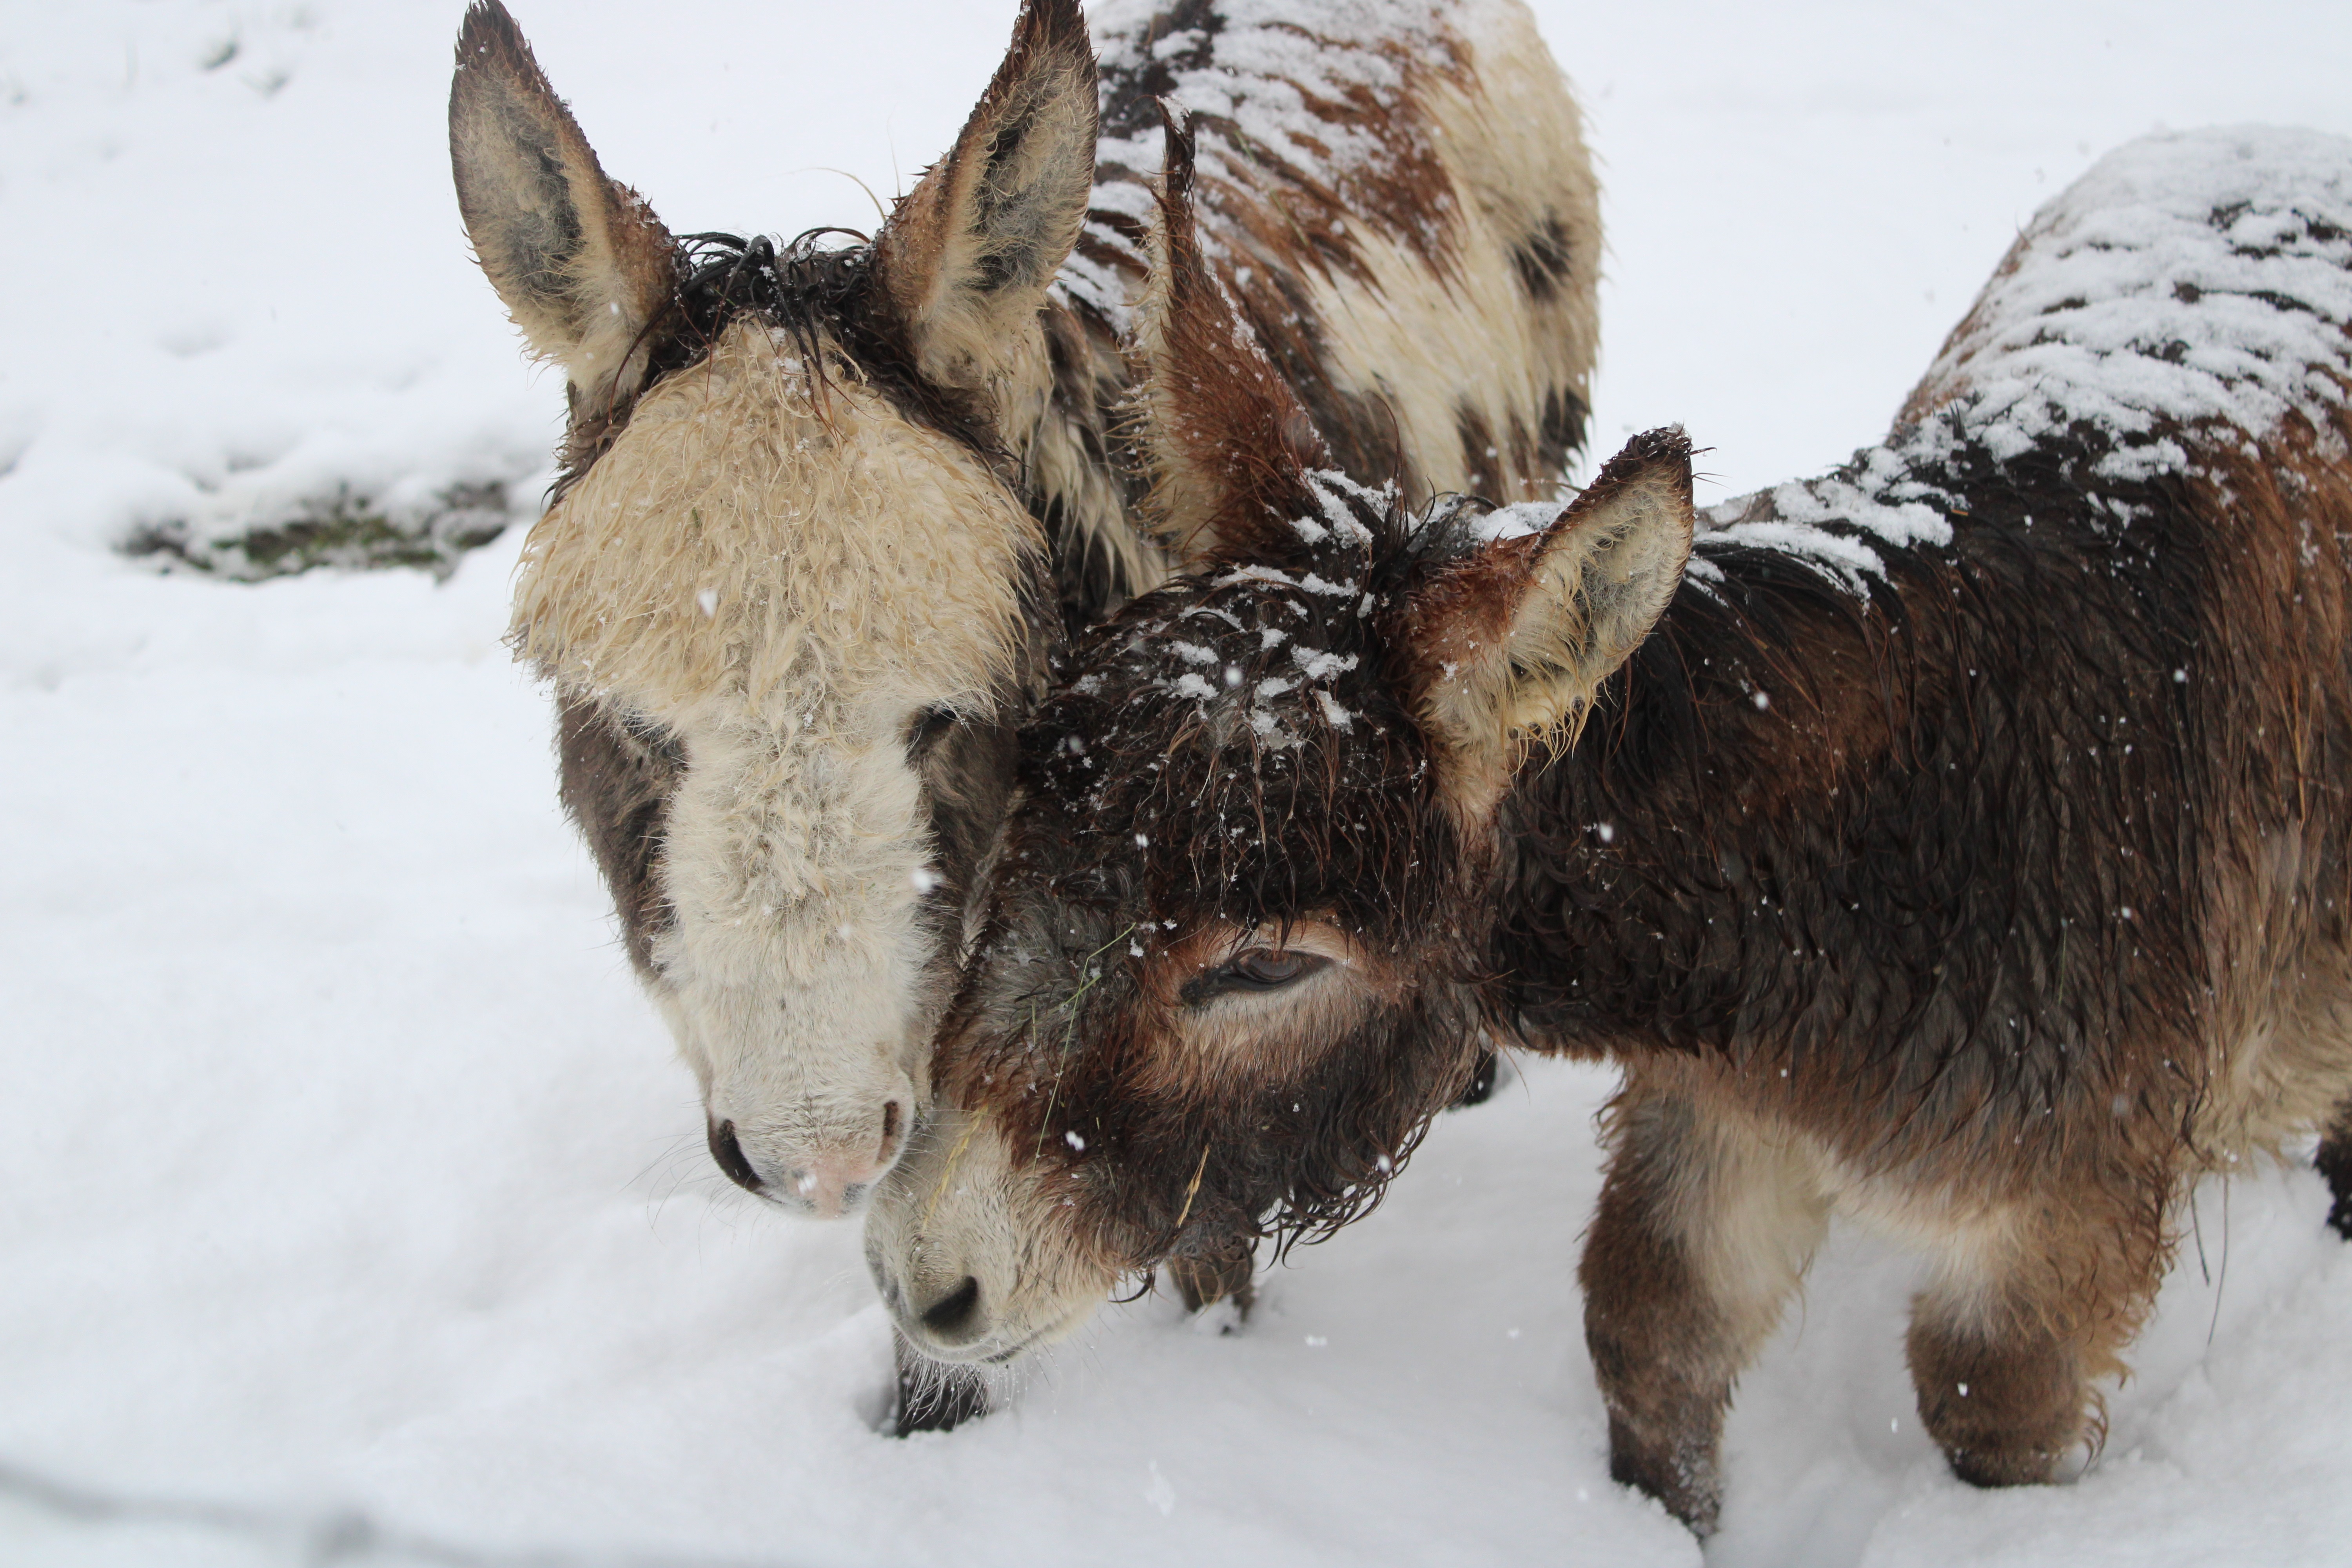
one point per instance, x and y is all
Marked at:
(927, 727)
(1259, 969)
(1268, 966)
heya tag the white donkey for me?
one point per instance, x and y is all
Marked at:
(825, 511)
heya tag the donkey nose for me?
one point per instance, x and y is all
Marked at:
(955, 1318)
(825, 1186)
(832, 1184)
(831, 1188)
(729, 1155)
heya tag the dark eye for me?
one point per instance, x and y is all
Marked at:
(925, 731)
(1269, 967)
(1259, 969)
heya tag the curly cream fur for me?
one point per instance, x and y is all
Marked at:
(755, 537)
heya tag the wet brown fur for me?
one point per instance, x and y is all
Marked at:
(1992, 902)
(615, 783)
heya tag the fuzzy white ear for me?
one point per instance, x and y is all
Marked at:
(1510, 644)
(581, 263)
(968, 253)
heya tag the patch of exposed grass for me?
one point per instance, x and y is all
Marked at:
(345, 531)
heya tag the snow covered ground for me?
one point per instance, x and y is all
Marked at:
(356, 1213)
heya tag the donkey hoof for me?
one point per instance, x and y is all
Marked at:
(1481, 1087)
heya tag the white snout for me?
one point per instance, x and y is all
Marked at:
(824, 1164)
(793, 969)
(975, 1263)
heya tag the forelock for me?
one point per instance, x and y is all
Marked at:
(767, 524)
(1238, 739)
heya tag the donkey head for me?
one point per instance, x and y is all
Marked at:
(787, 594)
(1230, 959)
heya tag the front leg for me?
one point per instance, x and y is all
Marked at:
(1705, 1228)
(1223, 1273)
(2028, 1311)
(2334, 1164)
(1483, 1077)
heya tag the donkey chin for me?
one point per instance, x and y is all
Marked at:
(961, 1247)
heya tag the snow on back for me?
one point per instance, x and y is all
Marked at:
(2197, 276)
(1252, 84)
(2187, 280)
(1837, 520)
(1518, 521)
(1261, 71)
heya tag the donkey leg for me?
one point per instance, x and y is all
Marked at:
(1703, 1230)
(2006, 1344)
(1481, 1087)
(1225, 1275)
(1488, 1074)
(2336, 1163)
(932, 1396)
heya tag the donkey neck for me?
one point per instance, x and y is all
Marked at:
(1877, 786)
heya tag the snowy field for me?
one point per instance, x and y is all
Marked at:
(356, 1212)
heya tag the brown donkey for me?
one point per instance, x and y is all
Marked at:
(824, 510)
(1962, 841)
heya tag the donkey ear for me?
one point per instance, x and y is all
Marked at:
(1509, 644)
(581, 262)
(1226, 442)
(968, 253)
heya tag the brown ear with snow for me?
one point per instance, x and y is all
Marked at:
(1226, 442)
(582, 265)
(1510, 645)
(968, 253)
